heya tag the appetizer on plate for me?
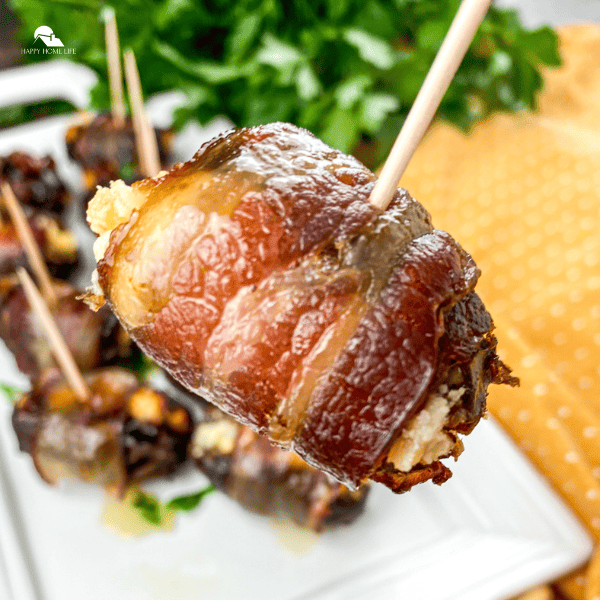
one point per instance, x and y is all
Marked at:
(262, 477)
(57, 243)
(39, 196)
(268, 480)
(260, 277)
(94, 338)
(35, 181)
(106, 151)
(125, 432)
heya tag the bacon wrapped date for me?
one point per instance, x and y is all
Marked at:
(262, 477)
(106, 151)
(57, 243)
(268, 480)
(261, 278)
(126, 432)
(35, 181)
(94, 338)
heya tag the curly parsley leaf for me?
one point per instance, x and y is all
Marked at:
(355, 65)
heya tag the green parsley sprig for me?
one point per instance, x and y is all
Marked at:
(348, 70)
(152, 510)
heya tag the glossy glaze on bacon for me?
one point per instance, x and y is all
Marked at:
(259, 276)
(94, 338)
(126, 432)
(35, 181)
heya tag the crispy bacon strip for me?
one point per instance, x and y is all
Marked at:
(260, 277)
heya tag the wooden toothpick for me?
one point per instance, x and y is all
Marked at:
(145, 138)
(448, 59)
(34, 255)
(115, 76)
(57, 344)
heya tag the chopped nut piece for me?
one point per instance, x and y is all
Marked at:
(147, 405)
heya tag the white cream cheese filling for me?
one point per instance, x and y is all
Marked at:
(423, 440)
(214, 436)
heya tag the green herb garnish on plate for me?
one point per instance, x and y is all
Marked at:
(149, 507)
(11, 392)
(189, 502)
(152, 510)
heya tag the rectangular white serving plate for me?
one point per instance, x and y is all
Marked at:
(495, 529)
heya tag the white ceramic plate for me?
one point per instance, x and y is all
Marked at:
(496, 528)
